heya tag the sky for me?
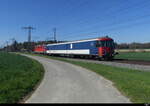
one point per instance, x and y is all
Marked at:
(125, 21)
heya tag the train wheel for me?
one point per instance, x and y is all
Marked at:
(105, 59)
(100, 59)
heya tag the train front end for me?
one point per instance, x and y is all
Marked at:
(40, 49)
(106, 48)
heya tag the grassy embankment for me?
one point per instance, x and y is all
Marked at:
(134, 56)
(18, 76)
(134, 84)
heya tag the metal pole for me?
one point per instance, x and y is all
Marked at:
(7, 46)
(29, 36)
(55, 40)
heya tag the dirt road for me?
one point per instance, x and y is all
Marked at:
(67, 83)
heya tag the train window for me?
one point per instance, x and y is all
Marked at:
(98, 44)
(109, 44)
(105, 44)
(71, 46)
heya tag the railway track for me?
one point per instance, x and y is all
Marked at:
(138, 62)
(130, 64)
(123, 63)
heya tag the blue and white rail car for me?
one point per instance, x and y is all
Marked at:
(83, 47)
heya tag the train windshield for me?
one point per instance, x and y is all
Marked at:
(108, 43)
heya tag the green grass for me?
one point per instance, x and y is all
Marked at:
(134, 84)
(18, 76)
(134, 56)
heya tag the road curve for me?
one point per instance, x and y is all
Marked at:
(67, 83)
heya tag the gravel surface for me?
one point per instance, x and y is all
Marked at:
(67, 83)
(116, 64)
(136, 62)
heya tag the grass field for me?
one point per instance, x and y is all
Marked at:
(18, 77)
(134, 56)
(134, 84)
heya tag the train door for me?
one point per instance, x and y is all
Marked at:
(67, 48)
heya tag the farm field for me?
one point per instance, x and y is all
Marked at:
(18, 77)
(134, 84)
(134, 56)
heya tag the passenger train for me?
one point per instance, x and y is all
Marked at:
(101, 48)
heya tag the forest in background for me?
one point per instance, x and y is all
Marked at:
(25, 46)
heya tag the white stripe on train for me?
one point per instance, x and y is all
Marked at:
(83, 52)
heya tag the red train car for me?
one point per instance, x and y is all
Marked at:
(40, 49)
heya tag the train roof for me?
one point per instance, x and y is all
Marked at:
(102, 38)
(105, 38)
(73, 42)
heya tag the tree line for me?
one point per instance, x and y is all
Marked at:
(133, 46)
(26, 46)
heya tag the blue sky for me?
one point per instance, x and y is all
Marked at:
(124, 20)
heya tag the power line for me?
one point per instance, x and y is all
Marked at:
(29, 28)
(54, 30)
(110, 13)
(87, 19)
(81, 4)
(114, 28)
(66, 13)
(103, 26)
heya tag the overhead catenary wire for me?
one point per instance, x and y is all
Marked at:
(106, 25)
(110, 13)
(111, 27)
(91, 27)
(97, 24)
(86, 3)
(69, 10)
(66, 13)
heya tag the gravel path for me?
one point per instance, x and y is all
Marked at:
(67, 83)
(116, 64)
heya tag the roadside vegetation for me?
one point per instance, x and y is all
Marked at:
(18, 76)
(134, 56)
(134, 84)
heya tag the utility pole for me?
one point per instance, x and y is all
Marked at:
(13, 45)
(55, 39)
(29, 28)
(6, 46)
